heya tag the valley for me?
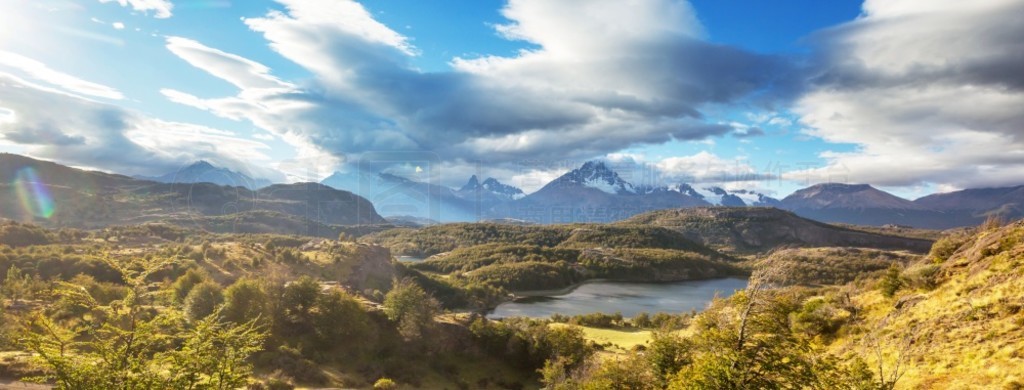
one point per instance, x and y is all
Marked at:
(333, 294)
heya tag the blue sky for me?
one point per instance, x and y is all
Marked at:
(910, 95)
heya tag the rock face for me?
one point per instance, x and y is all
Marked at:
(759, 229)
(372, 269)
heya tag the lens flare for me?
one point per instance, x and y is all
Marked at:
(32, 193)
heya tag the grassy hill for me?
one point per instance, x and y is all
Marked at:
(833, 266)
(53, 195)
(957, 320)
(543, 257)
(760, 229)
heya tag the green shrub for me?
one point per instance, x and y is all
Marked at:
(385, 384)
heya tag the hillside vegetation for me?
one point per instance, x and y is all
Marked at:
(67, 197)
(760, 229)
(500, 258)
(953, 319)
(227, 311)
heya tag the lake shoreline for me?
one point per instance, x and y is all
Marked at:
(661, 286)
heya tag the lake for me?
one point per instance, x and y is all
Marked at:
(409, 259)
(629, 298)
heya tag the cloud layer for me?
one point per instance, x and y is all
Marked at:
(594, 83)
(55, 123)
(930, 91)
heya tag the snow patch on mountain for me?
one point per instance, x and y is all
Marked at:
(597, 175)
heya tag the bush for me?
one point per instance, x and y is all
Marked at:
(385, 384)
(819, 316)
(184, 284)
(203, 301)
(891, 282)
(946, 246)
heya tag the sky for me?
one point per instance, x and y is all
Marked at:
(912, 96)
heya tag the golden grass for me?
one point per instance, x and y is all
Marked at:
(968, 333)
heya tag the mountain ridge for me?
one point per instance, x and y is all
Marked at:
(203, 171)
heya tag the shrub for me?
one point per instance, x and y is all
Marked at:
(203, 300)
(385, 384)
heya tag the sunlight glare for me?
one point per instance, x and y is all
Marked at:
(34, 196)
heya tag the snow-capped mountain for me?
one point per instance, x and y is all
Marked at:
(490, 188)
(204, 172)
(719, 196)
(596, 174)
(591, 193)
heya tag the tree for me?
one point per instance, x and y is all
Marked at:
(16, 284)
(667, 353)
(745, 342)
(891, 281)
(293, 311)
(245, 301)
(340, 321)
(214, 355)
(184, 284)
(408, 305)
(203, 300)
(127, 344)
(631, 372)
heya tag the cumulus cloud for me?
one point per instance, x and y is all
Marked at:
(98, 135)
(603, 75)
(706, 167)
(930, 91)
(161, 8)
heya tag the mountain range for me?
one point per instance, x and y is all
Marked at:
(204, 172)
(592, 192)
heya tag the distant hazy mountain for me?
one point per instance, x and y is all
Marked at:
(1006, 202)
(845, 196)
(862, 204)
(57, 195)
(397, 196)
(204, 172)
(490, 191)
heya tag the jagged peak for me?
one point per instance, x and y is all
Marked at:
(472, 184)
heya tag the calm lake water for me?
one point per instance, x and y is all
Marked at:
(410, 259)
(625, 297)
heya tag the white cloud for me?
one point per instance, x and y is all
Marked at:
(161, 8)
(7, 115)
(92, 134)
(42, 72)
(241, 72)
(929, 92)
(606, 75)
(706, 167)
(117, 25)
